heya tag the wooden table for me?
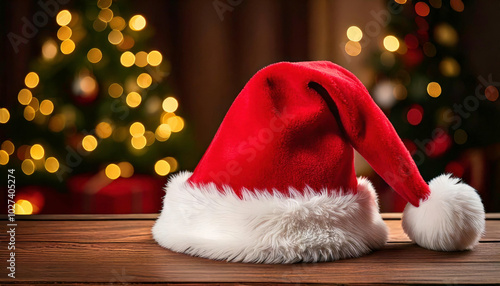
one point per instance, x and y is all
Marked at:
(119, 249)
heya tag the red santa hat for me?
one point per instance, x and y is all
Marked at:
(277, 183)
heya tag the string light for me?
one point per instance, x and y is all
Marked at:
(163, 132)
(150, 138)
(400, 91)
(354, 33)
(103, 130)
(4, 115)
(99, 25)
(46, 107)
(445, 35)
(128, 43)
(63, 18)
(422, 9)
(141, 59)
(64, 33)
(8, 147)
(144, 80)
(391, 43)
(105, 15)
(176, 123)
(103, 4)
(126, 169)
(353, 48)
(115, 90)
(162, 168)
(133, 99)
(37, 152)
(449, 67)
(89, 143)
(112, 171)
(400, 1)
(23, 207)
(94, 55)
(137, 129)
(173, 163)
(154, 58)
(115, 37)
(57, 123)
(28, 167)
(4, 157)
(34, 103)
(24, 96)
(170, 104)
(31, 80)
(138, 142)
(137, 23)
(49, 49)
(434, 89)
(51, 165)
(127, 59)
(67, 46)
(29, 113)
(118, 23)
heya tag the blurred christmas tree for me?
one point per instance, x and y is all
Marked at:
(446, 116)
(94, 102)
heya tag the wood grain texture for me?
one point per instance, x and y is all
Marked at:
(122, 251)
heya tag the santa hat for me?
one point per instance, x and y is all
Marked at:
(277, 183)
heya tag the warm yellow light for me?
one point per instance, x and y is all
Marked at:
(105, 15)
(127, 59)
(28, 167)
(31, 80)
(138, 142)
(67, 46)
(49, 49)
(103, 130)
(162, 168)
(46, 107)
(154, 58)
(115, 37)
(137, 129)
(137, 23)
(23, 207)
(4, 115)
(115, 90)
(34, 103)
(165, 116)
(57, 123)
(445, 35)
(170, 104)
(8, 147)
(99, 25)
(150, 138)
(141, 59)
(133, 99)
(126, 169)
(64, 33)
(449, 67)
(118, 23)
(352, 48)
(176, 123)
(112, 171)
(24, 96)
(51, 165)
(88, 84)
(400, 1)
(29, 113)
(94, 55)
(4, 157)
(163, 132)
(63, 18)
(37, 152)
(144, 80)
(354, 33)
(173, 163)
(434, 89)
(391, 43)
(127, 44)
(89, 143)
(103, 4)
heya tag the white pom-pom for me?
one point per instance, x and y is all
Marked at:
(452, 218)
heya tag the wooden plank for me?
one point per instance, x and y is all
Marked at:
(149, 263)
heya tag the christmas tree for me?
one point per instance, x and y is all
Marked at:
(94, 102)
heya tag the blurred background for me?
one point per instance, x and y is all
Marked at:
(100, 101)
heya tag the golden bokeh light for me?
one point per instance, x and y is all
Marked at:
(445, 35)
(449, 67)
(37, 152)
(144, 80)
(99, 25)
(34, 103)
(137, 23)
(391, 43)
(353, 48)
(173, 163)
(4, 157)
(354, 33)
(49, 49)
(115, 37)
(138, 142)
(89, 143)
(118, 23)
(165, 116)
(127, 59)
(150, 138)
(51, 165)
(23, 207)
(176, 123)
(128, 43)
(57, 123)
(46, 107)
(137, 129)
(4, 115)
(434, 89)
(103, 4)
(126, 169)
(28, 167)
(162, 168)
(154, 58)
(115, 90)
(8, 147)
(133, 99)
(94, 55)
(163, 132)
(105, 15)
(400, 1)
(29, 113)
(88, 84)
(170, 104)
(64, 33)
(112, 171)
(103, 130)
(400, 91)
(67, 46)
(24, 96)
(63, 18)
(141, 59)
(31, 80)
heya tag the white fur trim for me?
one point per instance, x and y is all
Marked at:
(269, 228)
(452, 218)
